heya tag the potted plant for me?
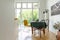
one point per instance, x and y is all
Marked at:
(56, 25)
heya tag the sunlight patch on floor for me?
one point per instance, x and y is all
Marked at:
(24, 33)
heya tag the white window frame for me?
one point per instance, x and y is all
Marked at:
(27, 7)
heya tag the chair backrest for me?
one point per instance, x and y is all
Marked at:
(38, 25)
(25, 23)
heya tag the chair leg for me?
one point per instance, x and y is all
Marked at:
(32, 30)
(44, 31)
(40, 33)
(48, 28)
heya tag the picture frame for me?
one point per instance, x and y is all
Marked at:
(55, 9)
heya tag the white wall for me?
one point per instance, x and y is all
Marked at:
(51, 18)
(42, 8)
(7, 25)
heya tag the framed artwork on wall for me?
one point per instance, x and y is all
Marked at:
(55, 9)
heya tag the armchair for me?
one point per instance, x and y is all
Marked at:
(39, 26)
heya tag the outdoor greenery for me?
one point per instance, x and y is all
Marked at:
(27, 14)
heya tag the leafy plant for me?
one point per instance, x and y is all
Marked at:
(28, 15)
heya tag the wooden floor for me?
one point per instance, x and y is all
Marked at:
(48, 36)
(26, 34)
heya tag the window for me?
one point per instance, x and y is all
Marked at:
(35, 5)
(35, 14)
(18, 5)
(17, 13)
(27, 14)
(27, 11)
(29, 5)
(24, 5)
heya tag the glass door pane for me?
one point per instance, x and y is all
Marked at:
(35, 14)
(30, 5)
(35, 5)
(17, 13)
(18, 5)
(24, 5)
(26, 15)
